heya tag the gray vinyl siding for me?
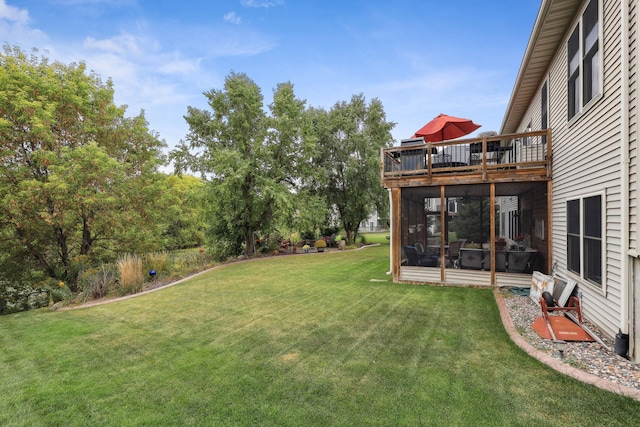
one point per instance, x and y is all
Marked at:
(586, 160)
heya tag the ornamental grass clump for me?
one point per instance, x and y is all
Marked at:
(158, 261)
(97, 282)
(131, 277)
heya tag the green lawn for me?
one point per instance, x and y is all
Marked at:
(288, 341)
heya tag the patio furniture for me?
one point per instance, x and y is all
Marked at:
(454, 252)
(331, 241)
(501, 260)
(518, 261)
(471, 258)
(415, 259)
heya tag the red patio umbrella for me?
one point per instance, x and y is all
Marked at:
(444, 127)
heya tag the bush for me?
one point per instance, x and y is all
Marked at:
(308, 235)
(328, 231)
(97, 282)
(321, 243)
(21, 297)
(59, 292)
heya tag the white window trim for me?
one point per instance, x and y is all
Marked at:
(584, 108)
(600, 288)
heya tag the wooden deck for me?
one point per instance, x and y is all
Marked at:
(524, 157)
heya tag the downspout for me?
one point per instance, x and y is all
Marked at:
(390, 232)
(624, 166)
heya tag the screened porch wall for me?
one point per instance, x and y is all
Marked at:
(433, 225)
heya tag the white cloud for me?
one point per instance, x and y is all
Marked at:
(15, 30)
(262, 3)
(232, 18)
(13, 14)
(122, 44)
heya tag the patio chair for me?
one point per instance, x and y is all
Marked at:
(501, 260)
(519, 262)
(331, 241)
(415, 259)
(454, 252)
(471, 258)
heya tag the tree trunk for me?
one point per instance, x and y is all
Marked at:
(349, 237)
(250, 244)
(87, 240)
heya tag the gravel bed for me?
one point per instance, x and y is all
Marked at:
(590, 357)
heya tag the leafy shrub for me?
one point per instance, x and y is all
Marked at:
(321, 243)
(59, 292)
(21, 297)
(308, 235)
(222, 249)
(328, 231)
(130, 271)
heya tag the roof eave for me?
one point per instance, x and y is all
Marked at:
(550, 28)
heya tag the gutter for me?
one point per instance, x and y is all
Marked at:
(624, 166)
(533, 39)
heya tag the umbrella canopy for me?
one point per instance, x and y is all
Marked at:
(444, 127)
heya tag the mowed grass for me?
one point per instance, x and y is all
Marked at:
(288, 341)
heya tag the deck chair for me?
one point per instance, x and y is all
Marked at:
(471, 258)
(416, 259)
(501, 260)
(428, 259)
(454, 252)
(519, 262)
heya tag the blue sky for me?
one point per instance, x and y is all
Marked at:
(420, 58)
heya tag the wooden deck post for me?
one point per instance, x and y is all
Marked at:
(443, 230)
(492, 240)
(396, 233)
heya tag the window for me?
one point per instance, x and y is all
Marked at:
(574, 73)
(544, 112)
(583, 57)
(584, 238)
(590, 58)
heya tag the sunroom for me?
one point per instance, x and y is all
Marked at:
(470, 211)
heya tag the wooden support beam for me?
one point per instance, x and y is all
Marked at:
(396, 235)
(443, 230)
(492, 227)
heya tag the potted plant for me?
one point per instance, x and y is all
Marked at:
(320, 245)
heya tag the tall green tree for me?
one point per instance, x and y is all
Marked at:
(350, 137)
(473, 221)
(76, 175)
(186, 215)
(251, 159)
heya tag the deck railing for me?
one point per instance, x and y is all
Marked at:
(481, 155)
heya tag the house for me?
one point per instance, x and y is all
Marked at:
(559, 183)
(374, 222)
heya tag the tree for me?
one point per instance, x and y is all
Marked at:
(251, 160)
(350, 137)
(473, 221)
(75, 174)
(186, 214)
